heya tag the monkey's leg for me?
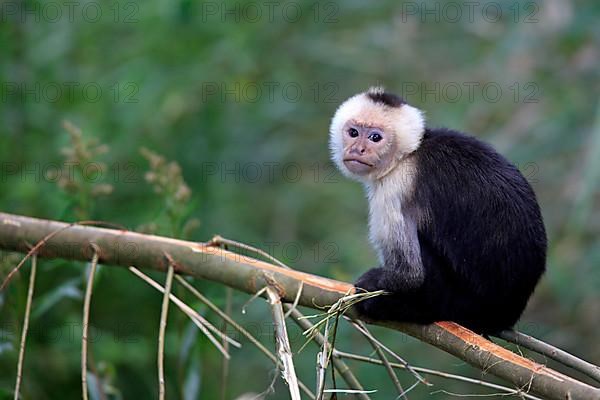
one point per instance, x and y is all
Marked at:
(439, 298)
(398, 307)
(403, 302)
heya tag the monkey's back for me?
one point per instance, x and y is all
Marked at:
(482, 221)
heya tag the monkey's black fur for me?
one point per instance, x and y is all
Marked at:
(389, 99)
(483, 242)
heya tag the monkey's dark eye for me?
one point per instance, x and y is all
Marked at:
(352, 132)
(375, 137)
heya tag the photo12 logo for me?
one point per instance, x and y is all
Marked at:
(470, 11)
(454, 92)
(268, 11)
(54, 92)
(267, 172)
(91, 172)
(270, 92)
(69, 11)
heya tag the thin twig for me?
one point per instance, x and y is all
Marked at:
(338, 363)
(385, 362)
(368, 335)
(86, 319)
(25, 326)
(271, 388)
(349, 391)
(543, 348)
(357, 357)
(414, 385)
(196, 318)
(442, 391)
(333, 337)
(322, 361)
(338, 308)
(217, 310)
(225, 361)
(219, 240)
(296, 300)
(321, 373)
(284, 350)
(252, 298)
(30, 253)
(237, 327)
(161, 334)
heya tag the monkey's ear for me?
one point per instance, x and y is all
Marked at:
(409, 127)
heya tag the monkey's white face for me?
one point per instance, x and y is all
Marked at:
(368, 139)
(367, 149)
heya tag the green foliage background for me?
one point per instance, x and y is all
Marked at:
(232, 89)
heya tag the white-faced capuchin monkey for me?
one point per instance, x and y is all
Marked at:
(457, 228)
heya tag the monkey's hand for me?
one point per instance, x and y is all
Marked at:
(393, 280)
(402, 301)
(370, 281)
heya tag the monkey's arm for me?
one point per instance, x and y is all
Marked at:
(407, 300)
(398, 275)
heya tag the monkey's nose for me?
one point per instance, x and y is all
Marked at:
(360, 150)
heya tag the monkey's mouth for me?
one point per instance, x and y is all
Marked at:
(357, 166)
(357, 161)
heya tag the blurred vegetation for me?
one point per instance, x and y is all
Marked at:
(239, 95)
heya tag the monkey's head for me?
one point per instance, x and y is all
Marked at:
(372, 132)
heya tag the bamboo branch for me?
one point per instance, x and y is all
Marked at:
(124, 248)
(531, 343)
(284, 351)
